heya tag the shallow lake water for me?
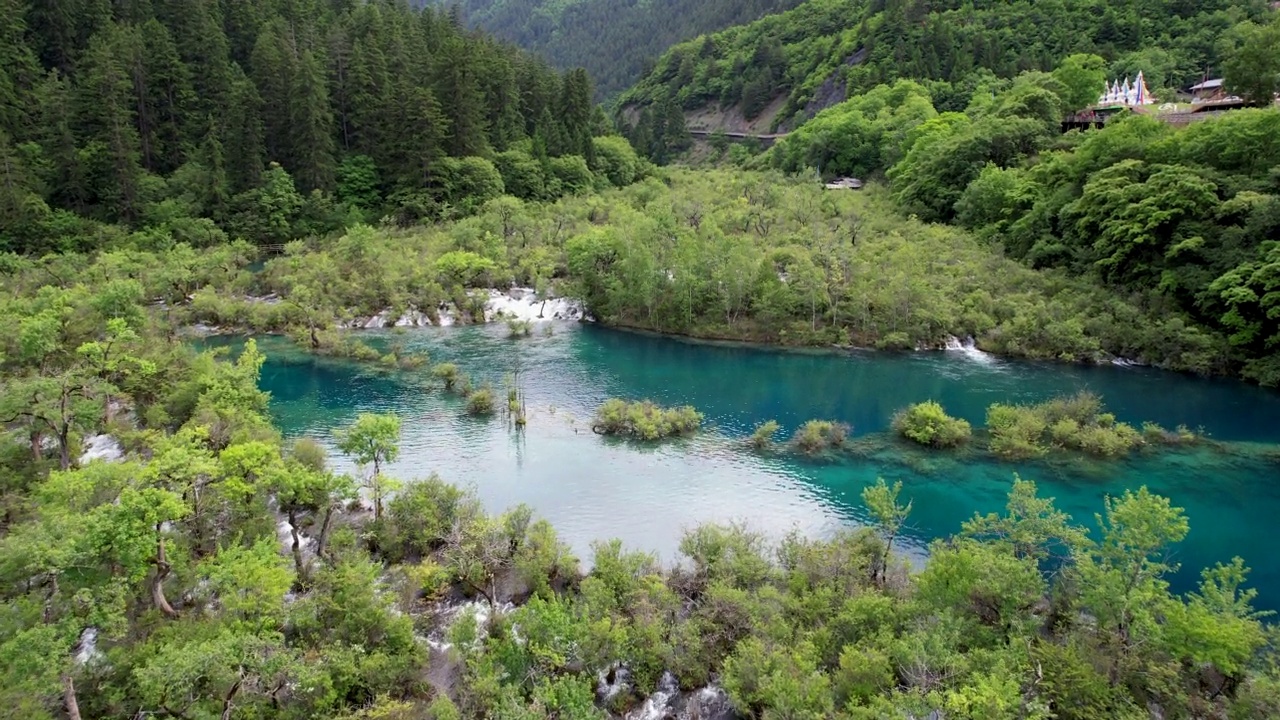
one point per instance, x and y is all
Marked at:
(592, 487)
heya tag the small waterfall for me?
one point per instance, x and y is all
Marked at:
(657, 706)
(87, 648)
(969, 349)
(101, 447)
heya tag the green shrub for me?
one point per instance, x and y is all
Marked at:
(927, 423)
(818, 435)
(1075, 422)
(895, 341)
(449, 373)
(1015, 431)
(762, 438)
(644, 420)
(1154, 434)
(519, 328)
(481, 402)
(442, 708)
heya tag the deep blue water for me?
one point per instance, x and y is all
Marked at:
(594, 488)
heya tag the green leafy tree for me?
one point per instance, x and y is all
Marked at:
(1083, 77)
(373, 440)
(889, 515)
(1252, 69)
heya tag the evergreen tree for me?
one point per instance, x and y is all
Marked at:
(216, 186)
(502, 98)
(64, 172)
(105, 101)
(549, 134)
(243, 21)
(370, 88)
(168, 99)
(340, 82)
(20, 206)
(674, 132)
(312, 142)
(197, 31)
(242, 134)
(63, 28)
(275, 69)
(575, 113)
(19, 70)
(463, 105)
(423, 140)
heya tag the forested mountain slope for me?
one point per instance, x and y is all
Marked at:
(615, 40)
(826, 50)
(170, 119)
(952, 105)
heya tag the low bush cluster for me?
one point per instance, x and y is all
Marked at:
(481, 402)
(1075, 422)
(644, 420)
(817, 436)
(927, 423)
(762, 436)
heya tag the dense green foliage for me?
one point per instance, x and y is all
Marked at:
(1190, 213)
(616, 42)
(193, 121)
(824, 51)
(816, 436)
(927, 423)
(215, 572)
(644, 420)
(742, 256)
(762, 437)
(1074, 423)
(1139, 206)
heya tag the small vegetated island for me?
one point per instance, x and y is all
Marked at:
(1075, 423)
(644, 420)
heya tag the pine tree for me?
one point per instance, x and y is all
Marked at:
(19, 70)
(641, 136)
(242, 20)
(274, 69)
(575, 113)
(242, 134)
(459, 93)
(163, 97)
(111, 148)
(370, 89)
(217, 188)
(64, 172)
(549, 133)
(340, 82)
(169, 98)
(675, 133)
(20, 206)
(423, 140)
(502, 98)
(64, 27)
(312, 143)
(197, 31)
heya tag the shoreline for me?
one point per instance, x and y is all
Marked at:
(572, 311)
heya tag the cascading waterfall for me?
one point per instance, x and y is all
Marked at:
(969, 348)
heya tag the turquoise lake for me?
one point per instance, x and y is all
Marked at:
(595, 488)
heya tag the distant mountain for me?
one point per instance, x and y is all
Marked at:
(823, 51)
(615, 40)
